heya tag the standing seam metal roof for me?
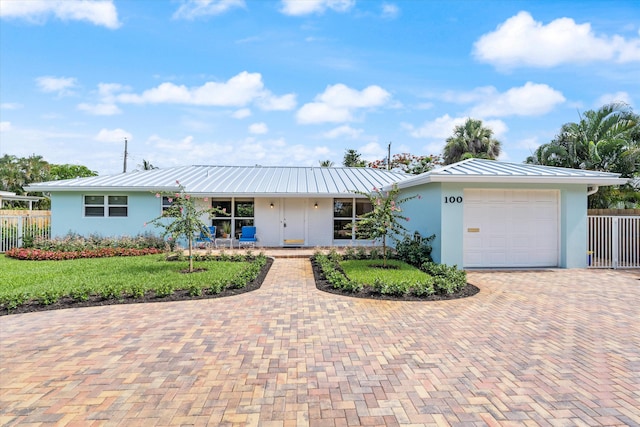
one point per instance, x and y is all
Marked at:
(235, 180)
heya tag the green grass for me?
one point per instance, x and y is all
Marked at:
(361, 271)
(46, 281)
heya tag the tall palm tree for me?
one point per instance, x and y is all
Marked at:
(603, 140)
(326, 163)
(471, 139)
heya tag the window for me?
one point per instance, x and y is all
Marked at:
(101, 206)
(166, 204)
(344, 217)
(241, 213)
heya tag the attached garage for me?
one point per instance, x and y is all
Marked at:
(490, 214)
(511, 228)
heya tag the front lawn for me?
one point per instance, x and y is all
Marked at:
(47, 282)
(368, 272)
(398, 280)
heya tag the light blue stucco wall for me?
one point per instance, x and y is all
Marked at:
(425, 214)
(67, 215)
(431, 215)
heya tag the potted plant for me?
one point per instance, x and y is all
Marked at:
(226, 229)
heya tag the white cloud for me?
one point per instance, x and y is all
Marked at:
(442, 128)
(258, 128)
(61, 85)
(522, 41)
(238, 91)
(5, 126)
(100, 12)
(10, 106)
(390, 10)
(192, 9)
(100, 109)
(241, 113)
(114, 135)
(337, 102)
(277, 103)
(532, 99)
(530, 144)
(306, 7)
(608, 98)
(373, 151)
(344, 131)
(234, 152)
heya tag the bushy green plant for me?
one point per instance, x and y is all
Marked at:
(337, 279)
(447, 279)
(183, 219)
(416, 250)
(384, 219)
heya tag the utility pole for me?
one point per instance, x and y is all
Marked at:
(389, 156)
(124, 167)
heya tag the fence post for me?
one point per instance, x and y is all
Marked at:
(20, 231)
(615, 246)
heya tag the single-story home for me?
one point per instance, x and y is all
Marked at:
(484, 213)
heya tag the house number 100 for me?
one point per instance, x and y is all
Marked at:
(453, 199)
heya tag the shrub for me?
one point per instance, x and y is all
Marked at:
(416, 250)
(331, 270)
(446, 279)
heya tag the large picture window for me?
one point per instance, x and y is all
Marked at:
(345, 217)
(241, 212)
(110, 206)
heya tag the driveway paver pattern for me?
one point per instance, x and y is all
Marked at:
(548, 348)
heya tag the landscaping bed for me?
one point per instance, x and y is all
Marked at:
(58, 284)
(346, 287)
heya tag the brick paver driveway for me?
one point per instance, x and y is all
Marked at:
(533, 348)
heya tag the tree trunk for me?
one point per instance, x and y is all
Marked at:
(190, 255)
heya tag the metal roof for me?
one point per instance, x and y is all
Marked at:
(235, 180)
(482, 170)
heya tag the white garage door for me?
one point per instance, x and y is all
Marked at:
(511, 228)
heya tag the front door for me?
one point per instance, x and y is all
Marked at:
(293, 222)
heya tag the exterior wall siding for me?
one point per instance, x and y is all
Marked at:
(431, 215)
(67, 215)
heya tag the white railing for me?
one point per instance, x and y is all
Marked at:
(16, 230)
(614, 241)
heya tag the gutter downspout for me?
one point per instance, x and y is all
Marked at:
(594, 190)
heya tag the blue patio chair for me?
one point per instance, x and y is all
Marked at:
(206, 236)
(247, 236)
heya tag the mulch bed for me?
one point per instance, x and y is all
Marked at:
(323, 285)
(183, 295)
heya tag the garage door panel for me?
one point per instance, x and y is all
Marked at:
(517, 228)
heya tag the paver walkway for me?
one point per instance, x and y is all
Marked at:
(554, 348)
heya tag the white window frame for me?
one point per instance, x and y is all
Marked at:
(106, 211)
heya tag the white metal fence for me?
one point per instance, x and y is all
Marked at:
(16, 230)
(614, 241)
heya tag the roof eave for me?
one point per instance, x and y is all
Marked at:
(57, 189)
(587, 180)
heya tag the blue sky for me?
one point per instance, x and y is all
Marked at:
(243, 82)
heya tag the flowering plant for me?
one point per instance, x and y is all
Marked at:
(384, 218)
(183, 218)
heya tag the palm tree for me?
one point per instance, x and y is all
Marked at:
(471, 139)
(146, 165)
(603, 140)
(326, 163)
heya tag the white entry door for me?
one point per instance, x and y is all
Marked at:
(293, 221)
(511, 228)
